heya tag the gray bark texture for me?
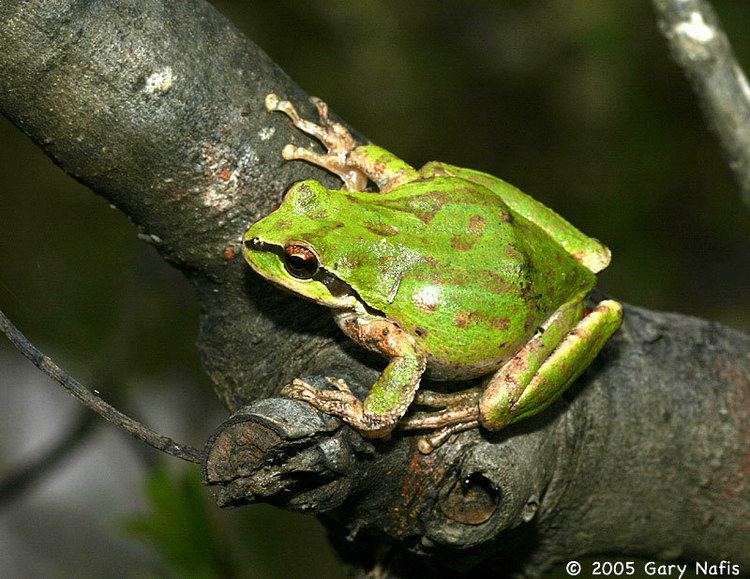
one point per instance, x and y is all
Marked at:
(158, 106)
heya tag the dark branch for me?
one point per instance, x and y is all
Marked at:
(648, 455)
(88, 398)
(702, 49)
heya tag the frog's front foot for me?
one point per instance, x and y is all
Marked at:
(342, 403)
(354, 164)
(460, 411)
(337, 140)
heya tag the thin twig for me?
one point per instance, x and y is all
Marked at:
(88, 398)
(701, 47)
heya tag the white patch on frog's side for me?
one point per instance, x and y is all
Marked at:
(160, 81)
(696, 29)
(742, 81)
(266, 133)
(427, 296)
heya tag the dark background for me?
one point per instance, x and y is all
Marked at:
(575, 102)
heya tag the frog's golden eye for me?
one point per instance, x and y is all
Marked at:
(300, 261)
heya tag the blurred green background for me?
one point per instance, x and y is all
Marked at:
(574, 101)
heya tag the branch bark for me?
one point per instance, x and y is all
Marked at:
(158, 106)
(649, 455)
(701, 47)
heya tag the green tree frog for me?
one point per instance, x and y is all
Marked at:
(448, 272)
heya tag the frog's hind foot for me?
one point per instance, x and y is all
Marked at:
(441, 418)
(447, 399)
(460, 411)
(426, 444)
(335, 137)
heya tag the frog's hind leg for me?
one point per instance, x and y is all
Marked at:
(533, 379)
(447, 399)
(443, 423)
(460, 411)
(426, 444)
(508, 382)
(548, 364)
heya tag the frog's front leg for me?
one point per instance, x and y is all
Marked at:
(534, 378)
(353, 164)
(392, 392)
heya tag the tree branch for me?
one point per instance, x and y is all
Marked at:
(701, 47)
(88, 398)
(648, 455)
(158, 106)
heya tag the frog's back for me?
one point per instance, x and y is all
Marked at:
(586, 250)
(459, 270)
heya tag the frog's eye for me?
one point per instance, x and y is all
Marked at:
(300, 261)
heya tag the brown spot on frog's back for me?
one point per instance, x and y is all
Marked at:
(384, 263)
(495, 283)
(426, 307)
(477, 223)
(462, 243)
(501, 324)
(319, 214)
(512, 253)
(424, 206)
(381, 229)
(463, 319)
